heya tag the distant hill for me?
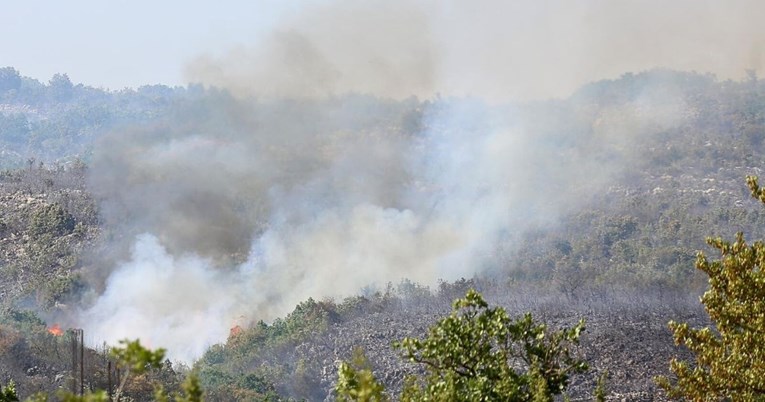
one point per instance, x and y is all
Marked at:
(58, 121)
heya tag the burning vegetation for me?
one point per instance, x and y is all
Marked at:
(55, 330)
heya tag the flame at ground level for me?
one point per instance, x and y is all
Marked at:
(56, 330)
(235, 331)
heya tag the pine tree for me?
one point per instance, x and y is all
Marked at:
(730, 359)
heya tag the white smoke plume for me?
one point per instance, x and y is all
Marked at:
(236, 223)
(165, 301)
(236, 208)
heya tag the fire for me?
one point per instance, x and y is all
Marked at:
(235, 330)
(55, 330)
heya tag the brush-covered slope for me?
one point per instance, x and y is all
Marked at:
(591, 206)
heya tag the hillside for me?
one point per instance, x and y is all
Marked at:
(626, 336)
(596, 209)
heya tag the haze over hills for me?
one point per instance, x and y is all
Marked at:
(235, 209)
(333, 174)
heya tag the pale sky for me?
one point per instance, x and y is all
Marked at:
(118, 43)
(496, 49)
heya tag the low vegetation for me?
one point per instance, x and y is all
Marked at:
(730, 358)
(477, 353)
(628, 245)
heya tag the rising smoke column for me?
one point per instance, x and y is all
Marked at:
(239, 204)
(387, 190)
(267, 203)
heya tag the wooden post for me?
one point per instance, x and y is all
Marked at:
(82, 362)
(77, 338)
(109, 379)
(73, 339)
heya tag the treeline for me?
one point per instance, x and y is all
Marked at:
(59, 121)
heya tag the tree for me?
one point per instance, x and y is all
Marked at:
(9, 79)
(8, 393)
(730, 359)
(356, 382)
(479, 353)
(51, 219)
(133, 359)
(60, 87)
(136, 359)
(192, 391)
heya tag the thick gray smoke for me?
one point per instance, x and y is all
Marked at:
(231, 220)
(235, 208)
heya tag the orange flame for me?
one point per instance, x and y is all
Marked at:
(55, 330)
(235, 330)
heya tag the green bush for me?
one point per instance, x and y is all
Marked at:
(730, 360)
(477, 353)
(51, 219)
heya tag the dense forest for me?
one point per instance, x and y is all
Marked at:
(624, 180)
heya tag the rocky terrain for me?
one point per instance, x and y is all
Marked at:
(626, 336)
(47, 222)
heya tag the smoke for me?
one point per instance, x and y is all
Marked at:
(379, 47)
(234, 208)
(268, 203)
(165, 301)
(495, 50)
(234, 211)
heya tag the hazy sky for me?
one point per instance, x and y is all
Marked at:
(489, 48)
(120, 43)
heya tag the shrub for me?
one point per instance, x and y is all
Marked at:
(51, 219)
(478, 353)
(730, 360)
